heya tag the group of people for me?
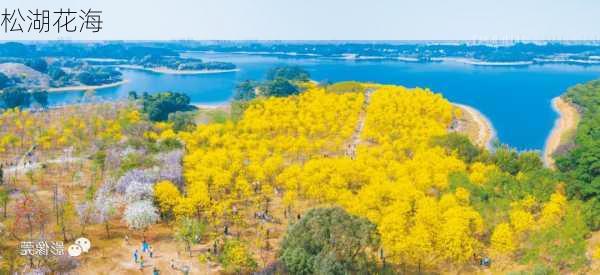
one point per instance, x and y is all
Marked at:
(139, 259)
(146, 248)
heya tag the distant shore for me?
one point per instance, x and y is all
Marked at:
(165, 70)
(84, 87)
(484, 133)
(477, 62)
(564, 125)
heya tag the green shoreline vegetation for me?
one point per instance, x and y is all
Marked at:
(579, 159)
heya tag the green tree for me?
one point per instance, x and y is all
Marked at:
(329, 241)
(529, 161)
(4, 199)
(38, 64)
(4, 81)
(190, 231)
(41, 97)
(159, 106)
(580, 166)
(245, 90)
(591, 213)
(15, 97)
(279, 87)
(459, 143)
(56, 73)
(132, 95)
(506, 158)
(562, 246)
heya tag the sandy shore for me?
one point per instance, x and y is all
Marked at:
(165, 70)
(564, 125)
(211, 106)
(478, 127)
(84, 88)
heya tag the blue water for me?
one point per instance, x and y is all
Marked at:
(515, 99)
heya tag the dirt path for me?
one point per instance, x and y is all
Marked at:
(483, 133)
(565, 124)
(25, 167)
(355, 139)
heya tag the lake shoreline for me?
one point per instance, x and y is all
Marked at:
(87, 87)
(485, 130)
(568, 118)
(219, 106)
(165, 70)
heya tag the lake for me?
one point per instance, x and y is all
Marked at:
(515, 99)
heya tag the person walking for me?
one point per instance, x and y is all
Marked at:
(135, 256)
(155, 271)
(141, 262)
(150, 251)
(144, 246)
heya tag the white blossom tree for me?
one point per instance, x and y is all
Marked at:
(141, 214)
(138, 191)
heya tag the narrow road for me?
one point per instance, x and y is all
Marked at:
(355, 139)
(24, 168)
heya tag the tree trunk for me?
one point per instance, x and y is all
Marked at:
(64, 231)
(107, 229)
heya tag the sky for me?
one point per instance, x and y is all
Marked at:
(324, 19)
